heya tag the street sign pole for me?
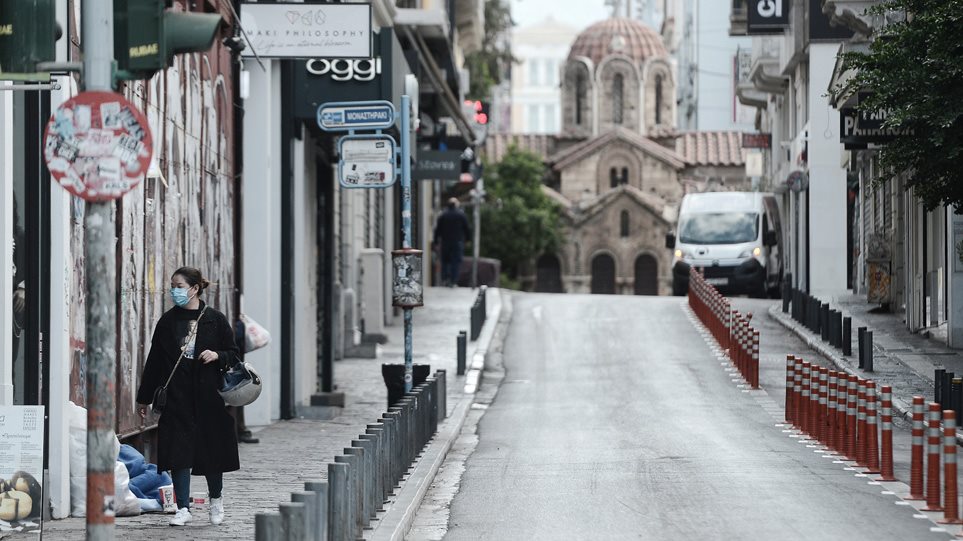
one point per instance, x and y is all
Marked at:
(406, 223)
(101, 291)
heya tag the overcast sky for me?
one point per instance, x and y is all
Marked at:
(577, 13)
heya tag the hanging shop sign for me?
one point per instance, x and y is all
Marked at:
(346, 116)
(756, 140)
(367, 161)
(21, 467)
(438, 165)
(98, 146)
(860, 129)
(307, 30)
(767, 16)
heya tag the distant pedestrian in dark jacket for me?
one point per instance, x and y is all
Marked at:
(196, 434)
(451, 231)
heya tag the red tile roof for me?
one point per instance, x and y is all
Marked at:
(618, 36)
(711, 148)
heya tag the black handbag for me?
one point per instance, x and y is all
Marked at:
(159, 401)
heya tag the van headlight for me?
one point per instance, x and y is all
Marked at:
(755, 252)
(682, 254)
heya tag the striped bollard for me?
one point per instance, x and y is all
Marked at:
(861, 423)
(872, 435)
(797, 393)
(842, 392)
(804, 397)
(755, 359)
(790, 380)
(916, 464)
(822, 431)
(951, 514)
(832, 440)
(814, 402)
(886, 434)
(933, 441)
(851, 414)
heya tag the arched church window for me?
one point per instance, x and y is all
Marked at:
(613, 177)
(617, 85)
(579, 97)
(625, 176)
(658, 99)
(624, 223)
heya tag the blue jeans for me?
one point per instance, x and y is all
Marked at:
(182, 486)
(451, 256)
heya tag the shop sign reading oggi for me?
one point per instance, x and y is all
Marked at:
(342, 69)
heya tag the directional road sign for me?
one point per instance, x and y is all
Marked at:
(356, 115)
(367, 161)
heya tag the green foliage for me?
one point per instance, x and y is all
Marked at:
(914, 71)
(519, 222)
(488, 65)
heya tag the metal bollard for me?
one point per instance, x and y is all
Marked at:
(267, 527)
(852, 395)
(916, 464)
(868, 362)
(310, 501)
(339, 519)
(368, 500)
(872, 435)
(462, 344)
(860, 333)
(376, 432)
(938, 384)
(320, 489)
(956, 390)
(293, 519)
(838, 329)
(933, 441)
(360, 512)
(349, 496)
(392, 420)
(442, 394)
(946, 394)
(886, 426)
(950, 492)
(824, 322)
(847, 336)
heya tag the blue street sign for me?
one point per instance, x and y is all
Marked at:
(356, 115)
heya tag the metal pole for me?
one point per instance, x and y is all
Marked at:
(476, 236)
(98, 44)
(406, 221)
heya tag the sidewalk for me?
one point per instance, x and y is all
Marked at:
(902, 359)
(295, 451)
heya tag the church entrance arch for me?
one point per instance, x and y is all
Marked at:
(603, 274)
(646, 275)
(548, 274)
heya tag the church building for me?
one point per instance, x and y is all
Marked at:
(618, 167)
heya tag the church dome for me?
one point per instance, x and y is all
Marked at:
(618, 35)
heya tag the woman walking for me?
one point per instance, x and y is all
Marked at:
(196, 433)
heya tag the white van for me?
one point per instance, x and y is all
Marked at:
(734, 237)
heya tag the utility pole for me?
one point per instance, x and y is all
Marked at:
(477, 194)
(99, 245)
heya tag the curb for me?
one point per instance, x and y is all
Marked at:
(400, 514)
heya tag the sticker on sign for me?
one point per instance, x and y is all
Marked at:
(367, 161)
(361, 115)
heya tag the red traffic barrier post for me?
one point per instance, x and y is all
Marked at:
(916, 461)
(832, 438)
(790, 381)
(823, 405)
(814, 419)
(951, 503)
(933, 441)
(852, 394)
(886, 434)
(755, 360)
(797, 393)
(861, 423)
(872, 435)
(804, 397)
(842, 392)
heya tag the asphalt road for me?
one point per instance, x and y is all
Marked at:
(615, 420)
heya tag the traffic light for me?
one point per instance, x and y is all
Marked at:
(28, 34)
(147, 36)
(479, 111)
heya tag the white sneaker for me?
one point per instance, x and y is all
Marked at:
(217, 510)
(182, 517)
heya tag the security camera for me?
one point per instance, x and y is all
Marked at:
(234, 43)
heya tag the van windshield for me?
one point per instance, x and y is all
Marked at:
(719, 228)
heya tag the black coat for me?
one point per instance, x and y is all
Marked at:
(195, 429)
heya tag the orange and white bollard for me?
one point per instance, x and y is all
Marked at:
(790, 377)
(822, 430)
(916, 463)
(951, 513)
(814, 401)
(797, 393)
(755, 359)
(861, 423)
(832, 440)
(851, 414)
(842, 393)
(804, 397)
(872, 435)
(886, 434)
(933, 441)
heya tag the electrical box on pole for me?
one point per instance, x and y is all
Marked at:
(28, 34)
(147, 35)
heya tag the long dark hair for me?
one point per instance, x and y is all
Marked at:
(193, 277)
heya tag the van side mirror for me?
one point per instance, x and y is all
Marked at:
(770, 239)
(670, 240)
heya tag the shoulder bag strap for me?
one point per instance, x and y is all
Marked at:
(190, 337)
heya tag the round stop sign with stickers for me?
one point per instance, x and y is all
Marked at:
(98, 146)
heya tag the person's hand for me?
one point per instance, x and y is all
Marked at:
(208, 356)
(142, 410)
(19, 300)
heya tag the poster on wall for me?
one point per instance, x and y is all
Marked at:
(21, 467)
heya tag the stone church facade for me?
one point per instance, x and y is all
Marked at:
(619, 168)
